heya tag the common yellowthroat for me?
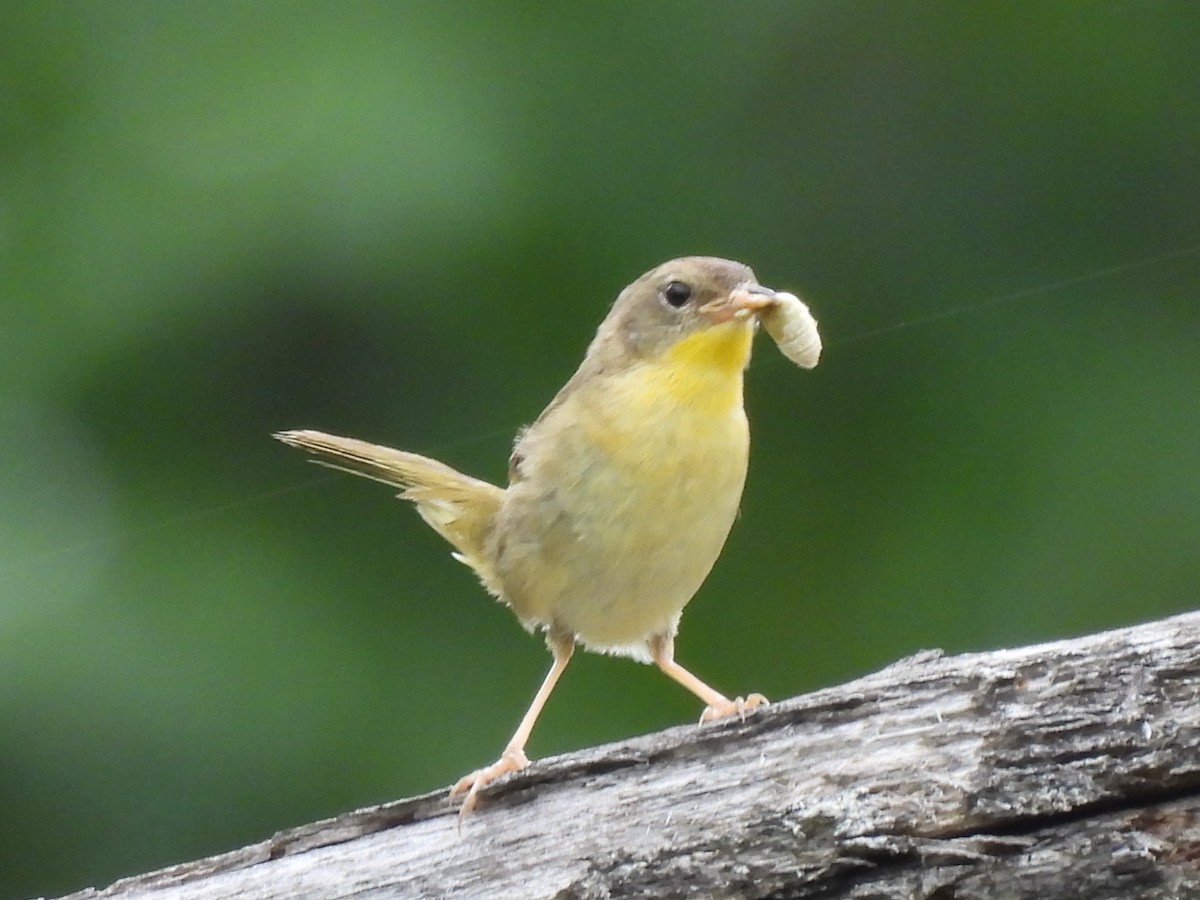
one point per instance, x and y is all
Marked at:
(622, 492)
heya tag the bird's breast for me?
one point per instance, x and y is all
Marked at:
(631, 493)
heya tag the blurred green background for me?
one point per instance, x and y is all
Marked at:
(403, 223)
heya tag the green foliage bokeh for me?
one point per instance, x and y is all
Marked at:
(402, 222)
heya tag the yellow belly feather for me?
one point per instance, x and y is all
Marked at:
(649, 481)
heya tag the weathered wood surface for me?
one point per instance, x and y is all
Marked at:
(1066, 770)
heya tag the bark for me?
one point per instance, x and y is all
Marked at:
(1064, 770)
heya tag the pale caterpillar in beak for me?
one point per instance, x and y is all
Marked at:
(793, 328)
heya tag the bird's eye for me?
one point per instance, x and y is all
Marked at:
(677, 293)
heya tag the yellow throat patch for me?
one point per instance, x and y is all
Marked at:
(705, 368)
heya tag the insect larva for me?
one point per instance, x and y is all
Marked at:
(793, 328)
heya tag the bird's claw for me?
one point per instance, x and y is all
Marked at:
(513, 759)
(738, 706)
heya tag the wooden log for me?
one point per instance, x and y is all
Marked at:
(1064, 770)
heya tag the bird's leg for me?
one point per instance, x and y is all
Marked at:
(513, 759)
(662, 651)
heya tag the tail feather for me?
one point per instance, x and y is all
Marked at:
(460, 508)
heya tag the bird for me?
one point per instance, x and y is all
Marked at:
(621, 494)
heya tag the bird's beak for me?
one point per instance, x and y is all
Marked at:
(752, 298)
(743, 301)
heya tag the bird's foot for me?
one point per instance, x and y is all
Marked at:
(738, 706)
(513, 759)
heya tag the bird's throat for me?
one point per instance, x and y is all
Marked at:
(706, 367)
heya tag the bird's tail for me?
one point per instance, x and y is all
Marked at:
(460, 508)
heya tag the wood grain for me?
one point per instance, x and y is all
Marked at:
(1064, 770)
